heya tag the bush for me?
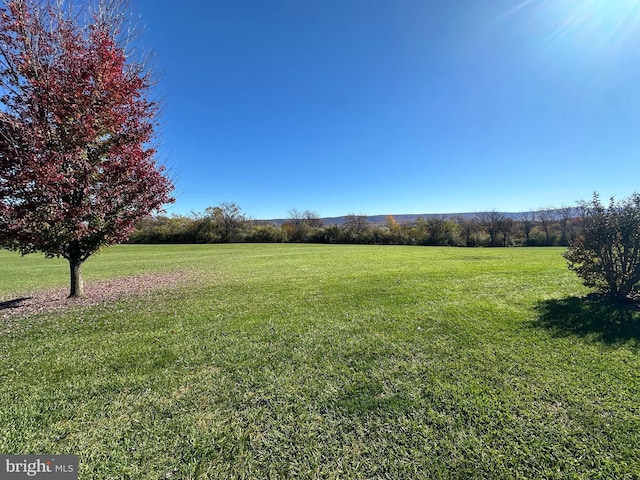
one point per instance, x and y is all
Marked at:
(266, 234)
(607, 254)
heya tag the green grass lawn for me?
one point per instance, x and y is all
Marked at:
(332, 362)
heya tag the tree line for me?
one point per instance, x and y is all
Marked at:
(226, 223)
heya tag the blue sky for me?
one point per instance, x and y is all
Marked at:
(393, 107)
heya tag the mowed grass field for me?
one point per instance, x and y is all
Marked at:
(327, 362)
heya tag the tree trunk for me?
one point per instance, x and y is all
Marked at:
(75, 268)
(624, 292)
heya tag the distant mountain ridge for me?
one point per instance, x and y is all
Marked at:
(406, 218)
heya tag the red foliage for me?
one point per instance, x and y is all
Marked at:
(76, 167)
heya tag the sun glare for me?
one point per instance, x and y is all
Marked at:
(591, 28)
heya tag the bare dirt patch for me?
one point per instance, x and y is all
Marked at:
(96, 293)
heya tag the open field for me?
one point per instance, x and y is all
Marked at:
(310, 361)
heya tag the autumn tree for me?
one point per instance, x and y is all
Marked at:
(506, 230)
(468, 229)
(607, 253)
(391, 223)
(442, 231)
(355, 224)
(567, 222)
(396, 231)
(227, 220)
(527, 222)
(547, 219)
(303, 223)
(492, 222)
(305, 218)
(77, 169)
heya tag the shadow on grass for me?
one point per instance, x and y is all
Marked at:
(15, 303)
(593, 315)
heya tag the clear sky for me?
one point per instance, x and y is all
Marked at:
(396, 106)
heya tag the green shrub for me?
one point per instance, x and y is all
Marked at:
(607, 254)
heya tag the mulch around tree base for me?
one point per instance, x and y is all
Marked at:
(95, 293)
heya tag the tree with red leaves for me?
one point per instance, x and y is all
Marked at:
(76, 121)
